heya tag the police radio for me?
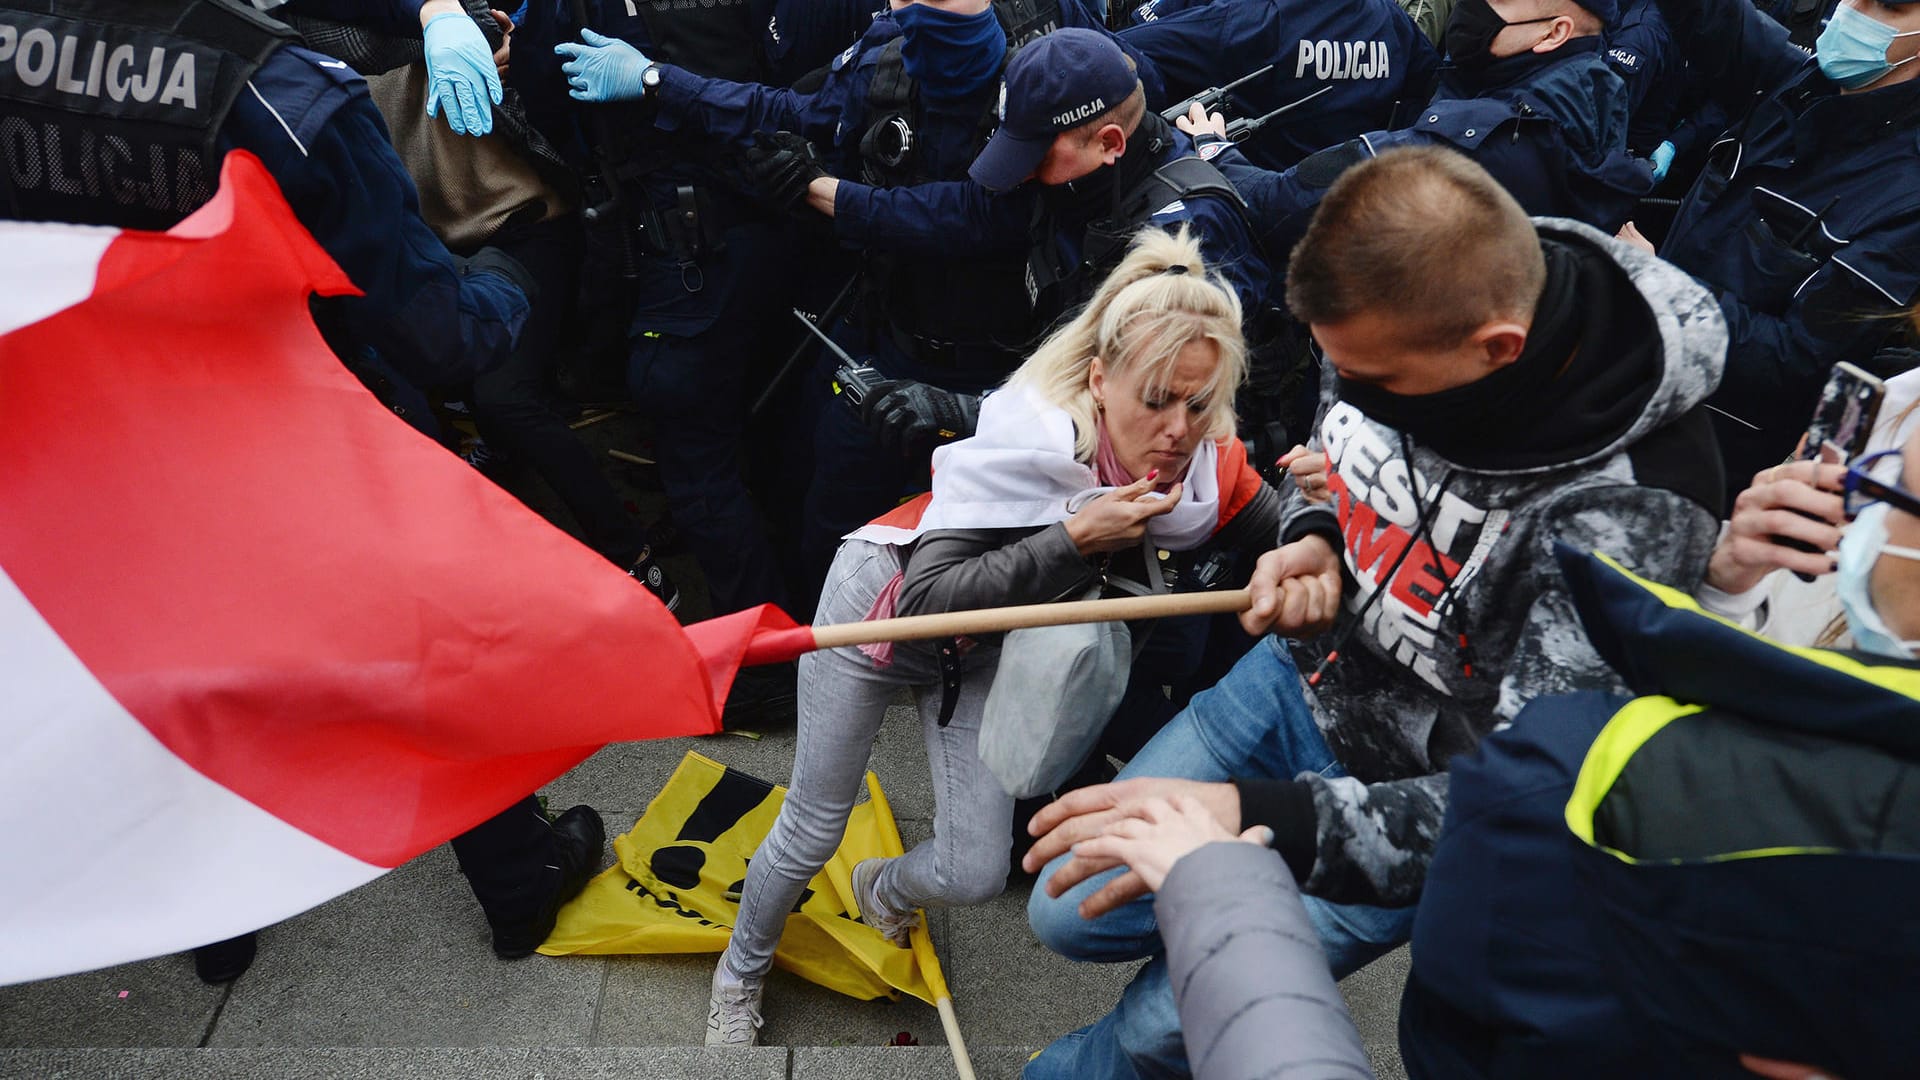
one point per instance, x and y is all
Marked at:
(1213, 97)
(853, 381)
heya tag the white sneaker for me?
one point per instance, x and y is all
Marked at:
(893, 926)
(733, 1015)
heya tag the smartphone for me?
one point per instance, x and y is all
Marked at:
(1843, 419)
(1842, 422)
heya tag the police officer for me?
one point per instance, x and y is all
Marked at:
(528, 208)
(306, 117)
(1805, 220)
(1103, 166)
(1075, 122)
(135, 141)
(698, 264)
(911, 102)
(1528, 96)
(1344, 67)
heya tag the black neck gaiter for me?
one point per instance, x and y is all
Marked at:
(1456, 423)
(1097, 194)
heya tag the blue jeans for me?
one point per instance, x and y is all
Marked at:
(1255, 722)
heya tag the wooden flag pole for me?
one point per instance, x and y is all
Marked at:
(997, 620)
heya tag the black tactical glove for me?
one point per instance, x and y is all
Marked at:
(907, 416)
(780, 166)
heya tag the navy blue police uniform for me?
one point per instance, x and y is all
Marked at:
(1349, 66)
(1551, 128)
(218, 77)
(1641, 50)
(309, 121)
(1139, 14)
(942, 317)
(698, 265)
(961, 217)
(800, 37)
(1804, 221)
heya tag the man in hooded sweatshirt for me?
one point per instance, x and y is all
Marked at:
(1495, 385)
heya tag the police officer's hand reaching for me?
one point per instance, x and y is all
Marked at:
(461, 75)
(603, 69)
(1209, 130)
(906, 416)
(780, 166)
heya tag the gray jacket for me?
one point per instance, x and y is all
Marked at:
(1253, 989)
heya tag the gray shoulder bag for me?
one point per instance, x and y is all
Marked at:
(1054, 692)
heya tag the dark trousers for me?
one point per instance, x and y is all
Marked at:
(513, 405)
(697, 390)
(511, 861)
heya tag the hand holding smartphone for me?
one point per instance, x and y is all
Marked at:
(1842, 423)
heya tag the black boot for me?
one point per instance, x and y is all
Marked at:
(523, 869)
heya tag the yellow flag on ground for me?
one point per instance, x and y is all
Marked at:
(676, 880)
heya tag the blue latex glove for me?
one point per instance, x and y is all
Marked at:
(1662, 160)
(604, 69)
(459, 65)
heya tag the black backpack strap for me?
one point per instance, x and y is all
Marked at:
(1184, 178)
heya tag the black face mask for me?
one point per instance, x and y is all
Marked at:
(1460, 419)
(1471, 30)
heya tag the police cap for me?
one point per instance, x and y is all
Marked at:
(1055, 84)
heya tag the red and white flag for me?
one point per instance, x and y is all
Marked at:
(259, 640)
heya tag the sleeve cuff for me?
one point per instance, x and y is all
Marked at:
(676, 93)
(1312, 521)
(1742, 607)
(1286, 807)
(852, 214)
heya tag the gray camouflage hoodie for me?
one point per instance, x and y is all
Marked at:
(1455, 615)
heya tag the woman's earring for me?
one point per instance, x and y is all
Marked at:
(1099, 405)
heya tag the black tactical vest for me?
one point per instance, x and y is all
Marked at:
(713, 38)
(110, 109)
(1055, 288)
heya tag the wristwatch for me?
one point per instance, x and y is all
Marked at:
(650, 78)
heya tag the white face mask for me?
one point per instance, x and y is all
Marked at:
(1860, 549)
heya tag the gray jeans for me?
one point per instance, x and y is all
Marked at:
(843, 699)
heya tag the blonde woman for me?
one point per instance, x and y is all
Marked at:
(1119, 429)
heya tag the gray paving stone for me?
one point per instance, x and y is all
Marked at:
(660, 1063)
(1009, 990)
(404, 961)
(325, 1063)
(903, 1063)
(165, 1005)
(662, 1001)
